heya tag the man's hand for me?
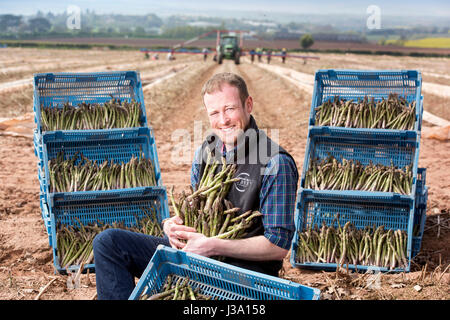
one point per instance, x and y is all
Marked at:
(171, 227)
(197, 243)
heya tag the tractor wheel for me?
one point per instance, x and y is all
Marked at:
(237, 59)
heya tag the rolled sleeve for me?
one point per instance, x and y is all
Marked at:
(277, 200)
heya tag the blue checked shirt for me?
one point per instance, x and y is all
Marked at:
(277, 198)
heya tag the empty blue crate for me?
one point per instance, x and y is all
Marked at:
(99, 145)
(356, 84)
(219, 280)
(385, 147)
(334, 208)
(53, 90)
(127, 206)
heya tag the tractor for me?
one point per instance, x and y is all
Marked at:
(228, 48)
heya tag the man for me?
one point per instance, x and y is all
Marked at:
(283, 55)
(205, 54)
(269, 55)
(269, 184)
(252, 55)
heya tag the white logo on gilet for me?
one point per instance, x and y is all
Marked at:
(244, 183)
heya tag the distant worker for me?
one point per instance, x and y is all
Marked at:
(170, 55)
(259, 53)
(269, 55)
(155, 56)
(205, 54)
(147, 56)
(252, 55)
(283, 55)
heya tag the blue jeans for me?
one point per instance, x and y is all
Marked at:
(120, 256)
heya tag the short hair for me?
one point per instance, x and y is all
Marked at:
(215, 84)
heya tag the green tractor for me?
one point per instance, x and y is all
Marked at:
(228, 48)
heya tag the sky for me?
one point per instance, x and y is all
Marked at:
(265, 8)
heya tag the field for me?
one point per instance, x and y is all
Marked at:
(428, 43)
(173, 103)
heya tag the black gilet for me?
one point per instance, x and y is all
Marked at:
(252, 154)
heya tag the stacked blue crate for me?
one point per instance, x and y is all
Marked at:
(377, 146)
(120, 144)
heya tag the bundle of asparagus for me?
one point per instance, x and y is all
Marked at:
(349, 245)
(207, 210)
(392, 113)
(87, 116)
(176, 290)
(87, 175)
(74, 243)
(330, 174)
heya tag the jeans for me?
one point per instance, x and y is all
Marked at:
(120, 256)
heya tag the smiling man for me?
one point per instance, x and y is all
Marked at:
(268, 184)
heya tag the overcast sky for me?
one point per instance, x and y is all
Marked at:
(265, 7)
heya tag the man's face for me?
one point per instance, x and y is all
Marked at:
(227, 117)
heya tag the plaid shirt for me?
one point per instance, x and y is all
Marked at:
(277, 198)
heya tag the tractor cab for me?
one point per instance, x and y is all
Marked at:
(228, 48)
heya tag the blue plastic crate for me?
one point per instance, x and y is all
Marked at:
(333, 207)
(356, 84)
(117, 145)
(217, 279)
(55, 89)
(365, 146)
(105, 206)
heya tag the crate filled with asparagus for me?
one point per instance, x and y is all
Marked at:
(395, 113)
(330, 174)
(90, 161)
(355, 231)
(370, 162)
(74, 242)
(201, 278)
(90, 116)
(347, 245)
(208, 210)
(77, 217)
(371, 99)
(88, 101)
(78, 173)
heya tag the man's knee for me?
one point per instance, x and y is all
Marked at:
(105, 240)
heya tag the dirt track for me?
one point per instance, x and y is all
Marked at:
(26, 261)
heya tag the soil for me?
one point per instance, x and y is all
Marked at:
(174, 106)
